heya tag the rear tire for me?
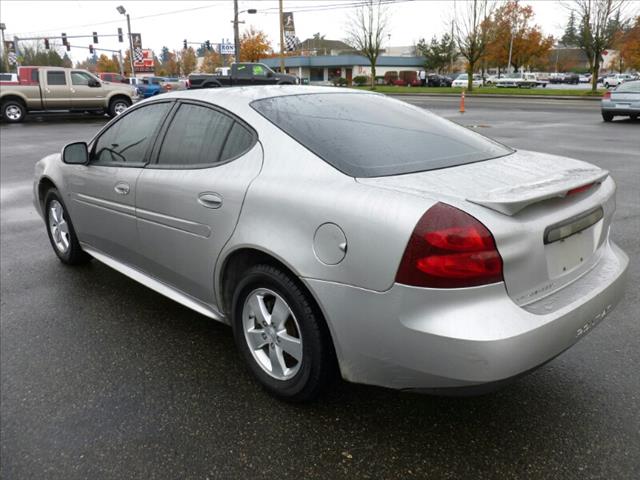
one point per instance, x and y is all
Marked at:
(61, 232)
(607, 117)
(118, 105)
(294, 358)
(13, 111)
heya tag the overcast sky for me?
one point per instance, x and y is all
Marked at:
(170, 22)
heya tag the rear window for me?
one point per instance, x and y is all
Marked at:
(629, 87)
(366, 135)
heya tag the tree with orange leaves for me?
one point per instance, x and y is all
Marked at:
(254, 45)
(511, 29)
(630, 46)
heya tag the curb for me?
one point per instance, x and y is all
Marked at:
(489, 95)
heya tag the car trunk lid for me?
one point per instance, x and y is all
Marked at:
(548, 214)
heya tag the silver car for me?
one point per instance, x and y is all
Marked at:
(343, 231)
(623, 101)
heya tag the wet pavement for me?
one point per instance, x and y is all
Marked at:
(103, 378)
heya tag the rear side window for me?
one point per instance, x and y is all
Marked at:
(56, 78)
(125, 143)
(195, 138)
(366, 135)
(239, 141)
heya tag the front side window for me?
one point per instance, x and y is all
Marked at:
(56, 78)
(366, 135)
(198, 136)
(126, 142)
(80, 78)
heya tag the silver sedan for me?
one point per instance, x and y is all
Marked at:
(623, 101)
(343, 232)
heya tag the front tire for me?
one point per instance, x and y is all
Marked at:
(281, 336)
(13, 111)
(118, 105)
(61, 232)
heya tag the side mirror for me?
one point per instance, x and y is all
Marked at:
(75, 153)
(94, 83)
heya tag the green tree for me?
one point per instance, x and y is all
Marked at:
(188, 61)
(570, 37)
(438, 54)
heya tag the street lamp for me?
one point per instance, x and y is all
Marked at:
(236, 30)
(122, 11)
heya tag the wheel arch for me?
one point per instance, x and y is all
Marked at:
(116, 96)
(44, 185)
(212, 84)
(239, 260)
(15, 97)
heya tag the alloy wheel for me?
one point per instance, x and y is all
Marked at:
(272, 333)
(120, 107)
(59, 227)
(13, 112)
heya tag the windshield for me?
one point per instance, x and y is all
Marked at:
(366, 135)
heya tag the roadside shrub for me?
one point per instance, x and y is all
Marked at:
(360, 80)
(339, 81)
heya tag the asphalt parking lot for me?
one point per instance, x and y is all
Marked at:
(103, 378)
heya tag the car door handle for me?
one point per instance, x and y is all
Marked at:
(210, 200)
(122, 188)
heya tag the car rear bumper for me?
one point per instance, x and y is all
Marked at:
(471, 338)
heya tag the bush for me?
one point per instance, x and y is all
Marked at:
(360, 80)
(339, 81)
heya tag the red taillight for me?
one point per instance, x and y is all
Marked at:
(573, 191)
(607, 95)
(450, 249)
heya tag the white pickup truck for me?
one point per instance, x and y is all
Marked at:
(517, 80)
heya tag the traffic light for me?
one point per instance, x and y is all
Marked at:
(185, 44)
(64, 39)
(120, 35)
(68, 47)
(207, 45)
(90, 48)
(46, 43)
(95, 37)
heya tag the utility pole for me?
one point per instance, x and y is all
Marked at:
(5, 53)
(122, 11)
(236, 31)
(281, 38)
(133, 72)
(120, 62)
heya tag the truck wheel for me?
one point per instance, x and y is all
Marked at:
(13, 111)
(118, 105)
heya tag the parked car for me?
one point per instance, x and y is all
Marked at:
(171, 84)
(341, 230)
(53, 88)
(623, 101)
(407, 78)
(435, 80)
(112, 77)
(462, 81)
(617, 79)
(242, 74)
(151, 86)
(519, 80)
(584, 78)
(390, 77)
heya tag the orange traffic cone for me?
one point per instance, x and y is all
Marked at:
(462, 102)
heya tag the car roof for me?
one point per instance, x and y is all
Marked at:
(246, 95)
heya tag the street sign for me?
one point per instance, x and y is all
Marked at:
(227, 49)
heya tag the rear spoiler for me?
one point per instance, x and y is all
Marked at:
(511, 200)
